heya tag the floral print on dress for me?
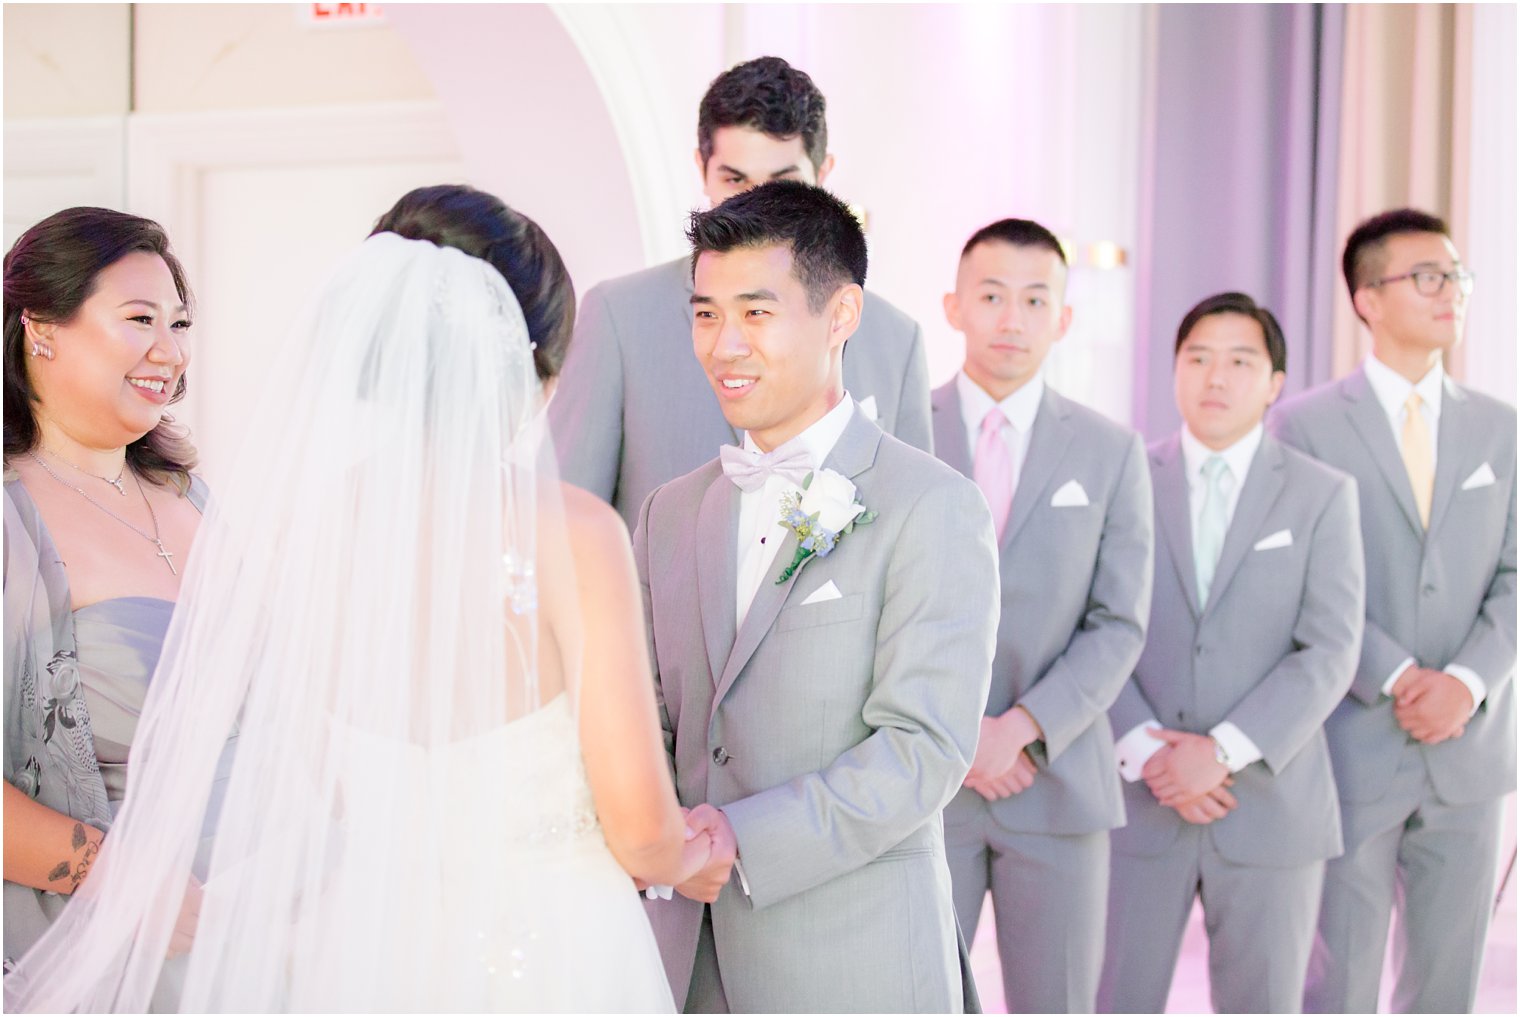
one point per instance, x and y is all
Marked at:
(61, 694)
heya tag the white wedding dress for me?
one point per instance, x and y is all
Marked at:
(538, 916)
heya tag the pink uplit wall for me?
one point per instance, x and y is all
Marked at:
(532, 125)
(941, 118)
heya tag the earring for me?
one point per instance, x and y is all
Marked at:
(25, 321)
(39, 350)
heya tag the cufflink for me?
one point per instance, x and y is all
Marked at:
(1220, 755)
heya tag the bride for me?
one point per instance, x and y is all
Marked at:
(449, 761)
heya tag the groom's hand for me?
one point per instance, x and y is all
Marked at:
(1001, 767)
(713, 876)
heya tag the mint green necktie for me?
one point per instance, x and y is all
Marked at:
(1213, 521)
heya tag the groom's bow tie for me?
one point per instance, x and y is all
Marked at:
(748, 470)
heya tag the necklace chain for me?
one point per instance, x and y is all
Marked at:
(164, 553)
(117, 483)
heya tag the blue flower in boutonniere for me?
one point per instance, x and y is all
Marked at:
(820, 514)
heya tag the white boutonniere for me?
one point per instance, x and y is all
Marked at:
(820, 514)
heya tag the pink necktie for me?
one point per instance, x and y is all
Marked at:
(993, 470)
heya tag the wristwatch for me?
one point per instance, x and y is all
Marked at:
(1220, 755)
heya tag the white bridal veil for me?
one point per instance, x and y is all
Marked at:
(371, 588)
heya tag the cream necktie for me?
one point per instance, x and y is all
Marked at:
(1419, 457)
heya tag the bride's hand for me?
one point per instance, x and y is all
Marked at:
(695, 853)
(183, 936)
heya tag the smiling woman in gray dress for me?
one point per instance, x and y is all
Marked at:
(100, 512)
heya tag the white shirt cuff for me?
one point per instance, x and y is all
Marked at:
(659, 891)
(1475, 685)
(1393, 678)
(1238, 747)
(743, 879)
(1136, 747)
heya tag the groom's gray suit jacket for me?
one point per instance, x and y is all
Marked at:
(832, 734)
(634, 409)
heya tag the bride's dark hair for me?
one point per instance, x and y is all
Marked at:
(481, 225)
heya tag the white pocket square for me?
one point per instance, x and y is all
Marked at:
(1069, 495)
(868, 407)
(1483, 476)
(828, 591)
(1282, 538)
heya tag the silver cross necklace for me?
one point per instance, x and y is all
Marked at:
(163, 552)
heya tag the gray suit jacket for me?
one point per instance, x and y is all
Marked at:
(1272, 652)
(1076, 589)
(832, 734)
(1446, 597)
(633, 408)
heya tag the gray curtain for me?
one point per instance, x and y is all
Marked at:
(1240, 182)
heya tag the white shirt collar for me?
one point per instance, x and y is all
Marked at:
(1392, 388)
(821, 436)
(1237, 457)
(1020, 406)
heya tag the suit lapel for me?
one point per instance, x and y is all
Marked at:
(1174, 515)
(1264, 482)
(717, 568)
(1371, 424)
(1047, 446)
(950, 429)
(854, 452)
(1454, 438)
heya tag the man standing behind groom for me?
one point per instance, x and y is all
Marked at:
(822, 605)
(632, 409)
(1071, 498)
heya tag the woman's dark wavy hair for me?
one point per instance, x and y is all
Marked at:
(50, 272)
(482, 226)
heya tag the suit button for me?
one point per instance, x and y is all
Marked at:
(720, 755)
(1198, 651)
(1430, 588)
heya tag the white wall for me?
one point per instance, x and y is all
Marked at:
(1491, 217)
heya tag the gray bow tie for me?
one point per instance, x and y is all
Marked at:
(748, 470)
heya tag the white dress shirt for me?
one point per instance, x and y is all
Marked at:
(760, 533)
(1019, 408)
(1392, 391)
(1137, 746)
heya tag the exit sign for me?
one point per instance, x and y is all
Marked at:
(342, 14)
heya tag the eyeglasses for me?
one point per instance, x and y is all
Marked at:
(1429, 283)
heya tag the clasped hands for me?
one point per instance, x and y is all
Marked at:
(1431, 706)
(1001, 766)
(708, 859)
(1185, 775)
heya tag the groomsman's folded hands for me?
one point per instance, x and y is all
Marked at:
(1187, 776)
(1002, 765)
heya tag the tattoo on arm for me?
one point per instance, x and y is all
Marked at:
(75, 872)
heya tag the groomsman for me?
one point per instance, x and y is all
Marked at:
(1071, 498)
(633, 409)
(822, 604)
(1424, 745)
(1255, 624)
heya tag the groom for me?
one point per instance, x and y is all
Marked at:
(822, 605)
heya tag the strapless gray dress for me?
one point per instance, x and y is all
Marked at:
(119, 641)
